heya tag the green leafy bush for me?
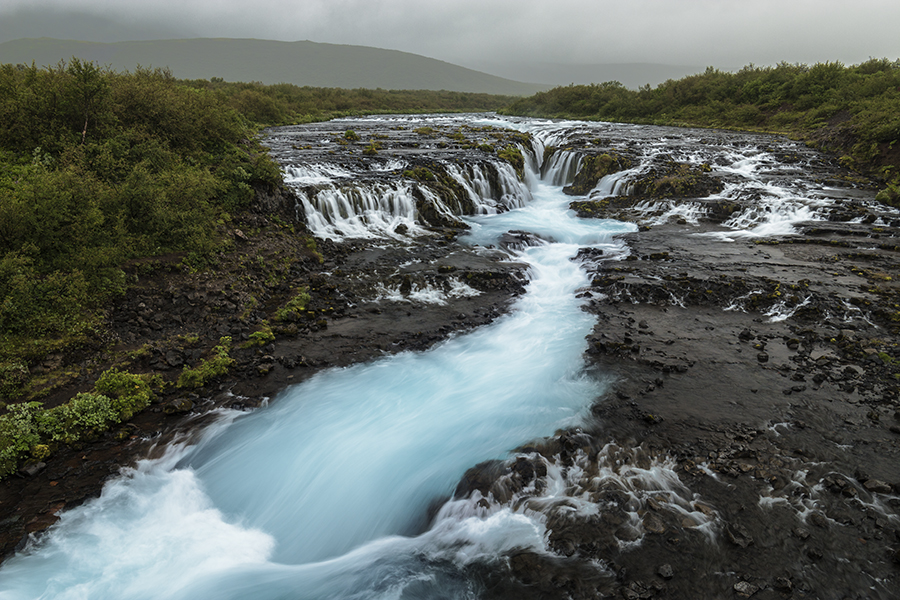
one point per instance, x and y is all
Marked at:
(97, 168)
(19, 433)
(29, 430)
(128, 393)
(261, 337)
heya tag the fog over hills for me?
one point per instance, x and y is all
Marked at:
(315, 64)
(302, 63)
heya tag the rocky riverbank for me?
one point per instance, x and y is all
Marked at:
(750, 446)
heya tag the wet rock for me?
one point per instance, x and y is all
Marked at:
(178, 406)
(406, 285)
(784, 585)
(738, 535)
(877, 486)
(818, 519)
(32, 468)
(666, 572)
(480, 477)
(745, 589)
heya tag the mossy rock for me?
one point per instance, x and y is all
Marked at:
(593, 169)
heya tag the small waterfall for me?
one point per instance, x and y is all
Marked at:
(367, 211)
(560, 168)
(477, 186)
(513, 192)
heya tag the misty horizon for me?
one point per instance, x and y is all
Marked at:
(525, 40)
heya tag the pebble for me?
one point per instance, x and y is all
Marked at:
(745, 589)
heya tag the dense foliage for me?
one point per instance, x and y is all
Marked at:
(853, 111)
(30, 431)
(96, 168)
(285, 103)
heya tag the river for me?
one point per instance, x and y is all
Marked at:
(343, 487)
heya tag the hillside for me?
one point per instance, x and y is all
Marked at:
(301, 63)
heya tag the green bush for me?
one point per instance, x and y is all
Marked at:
(19, 433)
(83, 416)
(128, 393)
(261, 337)
(29, 430)
(97, 168)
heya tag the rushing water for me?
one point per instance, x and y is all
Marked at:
(325, 493)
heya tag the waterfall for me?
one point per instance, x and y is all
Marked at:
(325, 493)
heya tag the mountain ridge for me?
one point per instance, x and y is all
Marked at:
(302, 63)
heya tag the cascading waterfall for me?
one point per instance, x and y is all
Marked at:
(322, 494)
(337, 205)
(326, 493)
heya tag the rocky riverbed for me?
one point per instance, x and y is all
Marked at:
(749, 446)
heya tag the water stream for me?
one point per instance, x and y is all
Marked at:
(325, 493)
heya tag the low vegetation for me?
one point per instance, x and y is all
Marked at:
(284, 103)
(97, 168)
(214, 366)
(28, 431)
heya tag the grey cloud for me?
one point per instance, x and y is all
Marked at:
(723, 33)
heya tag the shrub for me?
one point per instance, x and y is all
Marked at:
(83, 416)
(261, 337)
(128, 393)
(19, 433)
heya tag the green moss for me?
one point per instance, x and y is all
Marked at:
(419, 174)
(351, 135)
(295, 307)
(513, 155)
(214, 366)
(261, 337)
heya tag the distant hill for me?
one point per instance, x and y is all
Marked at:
(301, 63)
(631, 75)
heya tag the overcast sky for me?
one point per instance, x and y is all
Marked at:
(726, 34)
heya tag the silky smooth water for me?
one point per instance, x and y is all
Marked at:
(325, 493)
